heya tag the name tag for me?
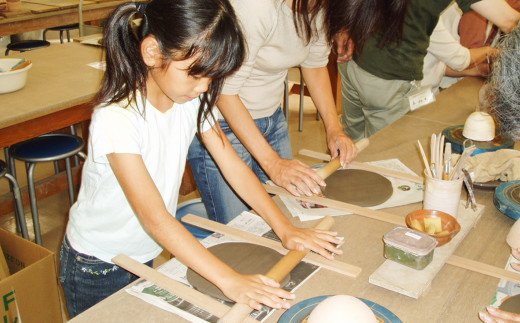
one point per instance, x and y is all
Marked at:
(420, 97)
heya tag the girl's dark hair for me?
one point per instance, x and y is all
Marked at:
(304, 16)
(183, 28)
(364, 18)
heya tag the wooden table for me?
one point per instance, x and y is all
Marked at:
(456, 295)
(59, 86)
(29, 19)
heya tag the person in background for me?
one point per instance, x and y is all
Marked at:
(381, 83)
(503, 93)
(166, 61)
(446, 60)
(279, 34)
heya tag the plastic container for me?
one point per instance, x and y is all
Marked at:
(409, 247)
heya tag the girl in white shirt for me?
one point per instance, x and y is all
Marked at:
(163, 72)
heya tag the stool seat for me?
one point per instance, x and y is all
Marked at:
(47, 147)
(61, 29)
(26, 45)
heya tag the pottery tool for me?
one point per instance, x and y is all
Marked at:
(447, 161)
(471, 194)
(335, 163)
(433, 155)
(21, 64)
(198, 299)
(240, 311)
(333, 265)
(363, 166)
(425, 160)
(507, 199)
(457, 169)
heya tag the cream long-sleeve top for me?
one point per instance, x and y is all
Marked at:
(273, 46)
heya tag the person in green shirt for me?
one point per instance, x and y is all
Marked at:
(378, 82)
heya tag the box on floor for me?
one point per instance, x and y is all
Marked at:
(30, 292)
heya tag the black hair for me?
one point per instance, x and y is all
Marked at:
(364, 18)
(304, 15)
(207, 29)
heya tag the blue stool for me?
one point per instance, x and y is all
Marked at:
(19, 213)
(46, 148)
(195, 207)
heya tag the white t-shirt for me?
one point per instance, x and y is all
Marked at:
(273, 47)
(101, 222)
(445, 49)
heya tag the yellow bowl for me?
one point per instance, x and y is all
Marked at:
(449, 226)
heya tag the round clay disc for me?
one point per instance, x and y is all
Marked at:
(511, 304)
(245, 258)
(358, 187)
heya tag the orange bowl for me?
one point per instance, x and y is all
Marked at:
(423, 220)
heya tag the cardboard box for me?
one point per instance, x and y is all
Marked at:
(30, 293)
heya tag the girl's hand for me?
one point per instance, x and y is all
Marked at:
(326, 243)
(255, 290)
(495, 315)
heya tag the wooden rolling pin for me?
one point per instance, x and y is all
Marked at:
(278, 272)
(334, 164)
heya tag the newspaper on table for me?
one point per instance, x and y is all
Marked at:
(174, 269)
(404, 192)
(505, 287)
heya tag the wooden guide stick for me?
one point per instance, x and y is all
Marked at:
(188, 294)
(333, 265)
(367, 167)
(334, 164)
(278, 272)
(369, 213)
(483, 268)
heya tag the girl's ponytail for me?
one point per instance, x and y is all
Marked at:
(125, 70)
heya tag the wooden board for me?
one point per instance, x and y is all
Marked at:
(60, 4)
(38, 8)
(413, 283)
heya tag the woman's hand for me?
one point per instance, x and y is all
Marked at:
(255, 290)
(516, 255)
(326, 243)
(344, 46)
(495, 315)
(340, 144)
(295, 177)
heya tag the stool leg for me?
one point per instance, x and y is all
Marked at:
(73, 132)
(19, 212)
(34, 207)
(68, 36)
(12, 170)
(69, 180)
(61, 36)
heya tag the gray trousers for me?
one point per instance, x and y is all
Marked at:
(370, 103)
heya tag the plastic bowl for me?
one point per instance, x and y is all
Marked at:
(11, 81)
(449, 225)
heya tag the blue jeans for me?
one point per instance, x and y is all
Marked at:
(221, 202)
(86, 280)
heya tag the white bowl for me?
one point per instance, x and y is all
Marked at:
(479, 126)
(11, 81)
